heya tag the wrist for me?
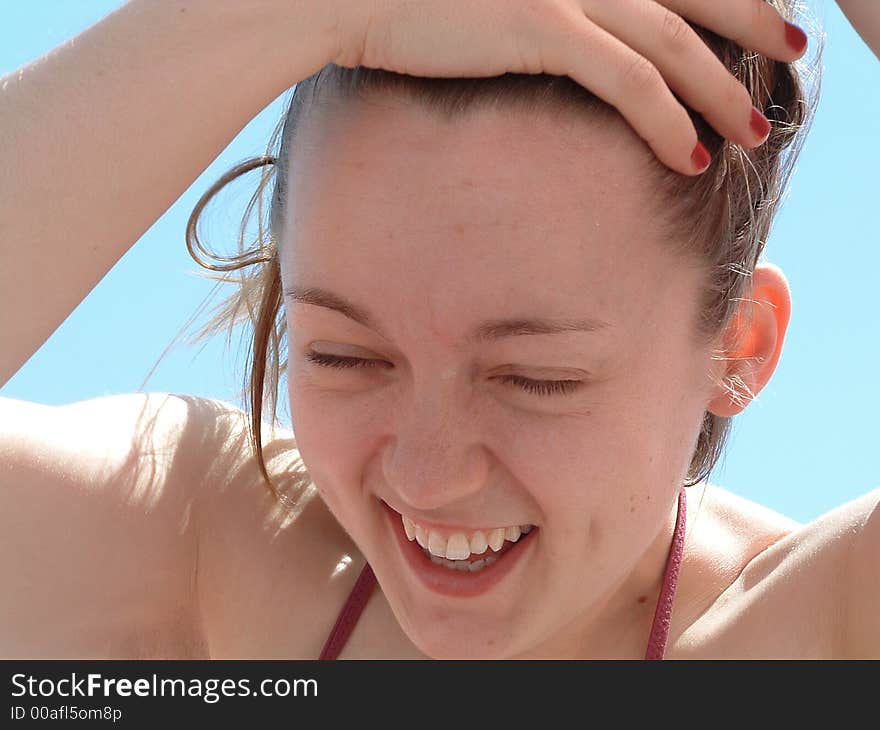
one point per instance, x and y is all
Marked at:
(268, 44)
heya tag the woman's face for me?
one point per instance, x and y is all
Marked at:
(433, 228)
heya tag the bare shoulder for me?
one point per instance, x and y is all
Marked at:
(97, 503)
(146, 517)
(792, 589)
(733, 514)
(862, 578)
(273, 567)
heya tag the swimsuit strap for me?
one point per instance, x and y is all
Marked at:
(366, 581)
(663, 611)
(350, 613)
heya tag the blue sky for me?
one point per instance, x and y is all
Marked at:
(808, 444)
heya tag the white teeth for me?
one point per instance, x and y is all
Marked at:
(496, 538)
(436, 544)
(512, 533)
(479, 544)
(458, 547)
(409, 527)
(462, 566)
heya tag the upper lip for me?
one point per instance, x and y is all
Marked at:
(458, 526)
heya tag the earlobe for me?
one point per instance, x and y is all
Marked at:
(753, 340)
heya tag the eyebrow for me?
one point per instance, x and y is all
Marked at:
(489, 330)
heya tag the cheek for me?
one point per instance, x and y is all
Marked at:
(331, 425)
(662, 421)
(327, 439)
(636, 443)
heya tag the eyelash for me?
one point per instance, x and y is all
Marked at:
(535, 387)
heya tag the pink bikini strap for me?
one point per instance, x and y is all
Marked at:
(663, 611)
(349, 615)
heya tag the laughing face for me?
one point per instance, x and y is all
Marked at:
(486, 331)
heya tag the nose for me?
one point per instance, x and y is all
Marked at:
(435, 458)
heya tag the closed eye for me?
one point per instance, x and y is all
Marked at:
(535, 387)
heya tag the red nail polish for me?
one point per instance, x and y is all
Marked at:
(795, 37)
(759, 124)
(701, 157)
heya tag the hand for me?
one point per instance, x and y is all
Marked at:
(631, 53)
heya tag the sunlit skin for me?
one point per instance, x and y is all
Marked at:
(434, 226)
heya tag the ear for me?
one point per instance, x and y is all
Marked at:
(752, 341)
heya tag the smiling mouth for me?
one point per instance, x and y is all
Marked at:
(466, 551)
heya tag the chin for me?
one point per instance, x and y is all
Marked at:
(462, 645)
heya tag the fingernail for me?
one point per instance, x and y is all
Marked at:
(701, 157)
(795, 37)
(760, 124)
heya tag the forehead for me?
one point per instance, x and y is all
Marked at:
(483, 214)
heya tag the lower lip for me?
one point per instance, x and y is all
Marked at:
(451, 582)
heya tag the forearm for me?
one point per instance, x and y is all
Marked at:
(100, 136)
(864, 15)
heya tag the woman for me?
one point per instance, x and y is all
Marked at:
(494, 292)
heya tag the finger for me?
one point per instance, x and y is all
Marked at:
(618, 75)
(754, 24)
(687, 65)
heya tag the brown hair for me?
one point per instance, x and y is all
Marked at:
(722, 217)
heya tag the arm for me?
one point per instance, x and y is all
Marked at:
(101, 135)
(864, 16)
